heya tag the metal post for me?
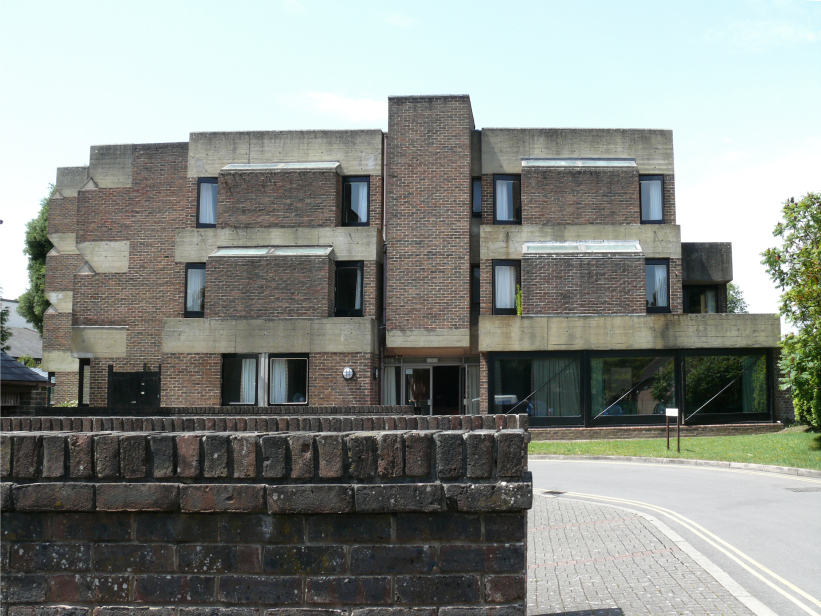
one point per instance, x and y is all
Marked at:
(667, 417)
(678, 432)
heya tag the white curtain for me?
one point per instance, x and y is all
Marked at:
(359, 200)
(389, 376)
(248, 384)
(556, 383)
(505, 286)
(358, 301)
(661, 286)
(196, 290)
(651, 200)
(709, 301)
(504, 200)
(279, 381)
(208, 203)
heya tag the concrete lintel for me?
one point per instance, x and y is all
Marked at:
(285, 335)
(61, 301)
(505, 241)
(94, 341)
(628, 332)
(59, 361)
(428, 341)
(106, 257)
(70, 180)
(349, 243)
(504, 148)
(65, 243)
(110, 165)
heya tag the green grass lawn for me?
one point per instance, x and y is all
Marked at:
(791, 447)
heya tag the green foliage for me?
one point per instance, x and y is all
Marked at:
(67, 404)
(735, 299)
(519, 300)
(795, 267)
(663, 385)
(27, 361)
(5, 332)
(33, 302)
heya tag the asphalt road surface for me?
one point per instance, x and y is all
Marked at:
(763, 529)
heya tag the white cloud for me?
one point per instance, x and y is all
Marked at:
(763, 33)
(400, 21)
(347, 108)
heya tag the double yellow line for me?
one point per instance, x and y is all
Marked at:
(754, 567)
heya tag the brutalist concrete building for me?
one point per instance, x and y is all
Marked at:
(454, 269)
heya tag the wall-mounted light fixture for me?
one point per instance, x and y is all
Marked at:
(347, 373)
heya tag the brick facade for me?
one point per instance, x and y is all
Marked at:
(591, 284)
(191, 379)
(62, 214)
(326, 386)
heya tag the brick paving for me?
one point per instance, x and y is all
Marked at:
(586, 559)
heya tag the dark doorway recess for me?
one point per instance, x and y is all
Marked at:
(134, 389)
(446, 390)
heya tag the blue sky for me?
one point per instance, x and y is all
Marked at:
(738, 82)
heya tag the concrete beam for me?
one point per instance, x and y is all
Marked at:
(91, 341)
(61, 300)
(59, 361)
(428, 342)
(504, 148)
(707, 263)
(505, 241)
(350, 243)
(629, 332)
(286, 335)
(359, 152)
(106, 257)
(110, 165)
(70, 180)
(65, 243)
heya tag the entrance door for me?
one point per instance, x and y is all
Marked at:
(446, 390)
(418, 389)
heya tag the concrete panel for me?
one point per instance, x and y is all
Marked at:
(659, 331)
(61, 300)
(70, 180)
(65, 243)
(110, 165)
(429, 341)
(359, 152)
(98, 341)
(350, 243)
(106, 257)
(326, 335)
(504, 148)
(703, 262)
(505, 241)
(59, 361)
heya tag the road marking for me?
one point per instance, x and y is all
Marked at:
(705, 535)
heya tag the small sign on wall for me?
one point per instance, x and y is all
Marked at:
(672, 412)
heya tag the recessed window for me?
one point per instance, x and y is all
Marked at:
(207, 202)
(84, 393)
(700, 299)
(355, 201)
(476, 197)
(195, 290)
(507, 199)
(239, 379)
(288, 380)
(475, 289)
(505, 282)
(349, 294)
(656, 275)
(652, 198)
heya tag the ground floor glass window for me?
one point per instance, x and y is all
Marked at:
(725, 384)
(289, 380)
(541, 387)
(631, 385)
(239, 379)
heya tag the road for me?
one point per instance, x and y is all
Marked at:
(756, 526)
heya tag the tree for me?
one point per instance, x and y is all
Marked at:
(5, 332)
(796, 269)
(735, 299)
(33, 303)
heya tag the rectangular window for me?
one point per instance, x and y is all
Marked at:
(355, 201)
(239, 379)
(505, 280)
(194, 290)
(288, 380)
(207, 202)
(507, 199)
(349, 293)
(476, 197)
(538, 386)
(700, 299)
(631, 385)
(720, 384)
(656, 275)
(652, 198)
(475, 288)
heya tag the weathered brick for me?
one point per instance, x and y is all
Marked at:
(6, 503)
(481, 559)
(80, 464)
(510, 453)
(23, 588)
(259, 589)
(504, 588)
(301, 454)
(437, 589)
(162, 455)
(118, 557)
(176, 527)
(438, 527)
(53, 497)
(218, 559)
(253, 528)
(48, 611)
(274, 455)
(505, 527)
(216, 611)
(54, 456)
(350, 590)
(449, 455)
(300, 559)
(375, 559)
(5, 453)
(489, 497)
(91, 526)
(504, 610)
(107, 456)
(133, 611)
(395, 611)
(479, 454)
(132, 456)
(25, 527)
(244, 456)
(399, 497)
(303, 611)
(173, 588)
(222, 498)
(26, 452)
(349, 528)
(215, 455)
(50, 557)
(361, 454)
(138, 497)
(418, 448)
(390, 454)
(311, 499)
(188, 456)
(330, 448)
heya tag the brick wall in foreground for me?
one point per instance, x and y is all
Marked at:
(332, 522)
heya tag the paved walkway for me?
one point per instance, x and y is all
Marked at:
(586, 559)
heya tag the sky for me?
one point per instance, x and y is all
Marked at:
(738, 82)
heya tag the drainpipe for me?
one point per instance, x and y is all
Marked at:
(382, 332)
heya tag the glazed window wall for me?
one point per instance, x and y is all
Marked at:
(632, 387)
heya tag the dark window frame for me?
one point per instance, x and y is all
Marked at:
(688, 290)
(641, 210)
(307, 359)
(255, 357)
(517, 178)
(475, 287)
(200, 182)
(192, 314)
(658, 309)
(473, 211)
(350, 180)
(353, 312)
(85, 364)
(504, 262)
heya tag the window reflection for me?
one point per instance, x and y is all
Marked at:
(540, 387)
(631, 385)
(725, 384)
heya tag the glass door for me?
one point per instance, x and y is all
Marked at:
(418, 389)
